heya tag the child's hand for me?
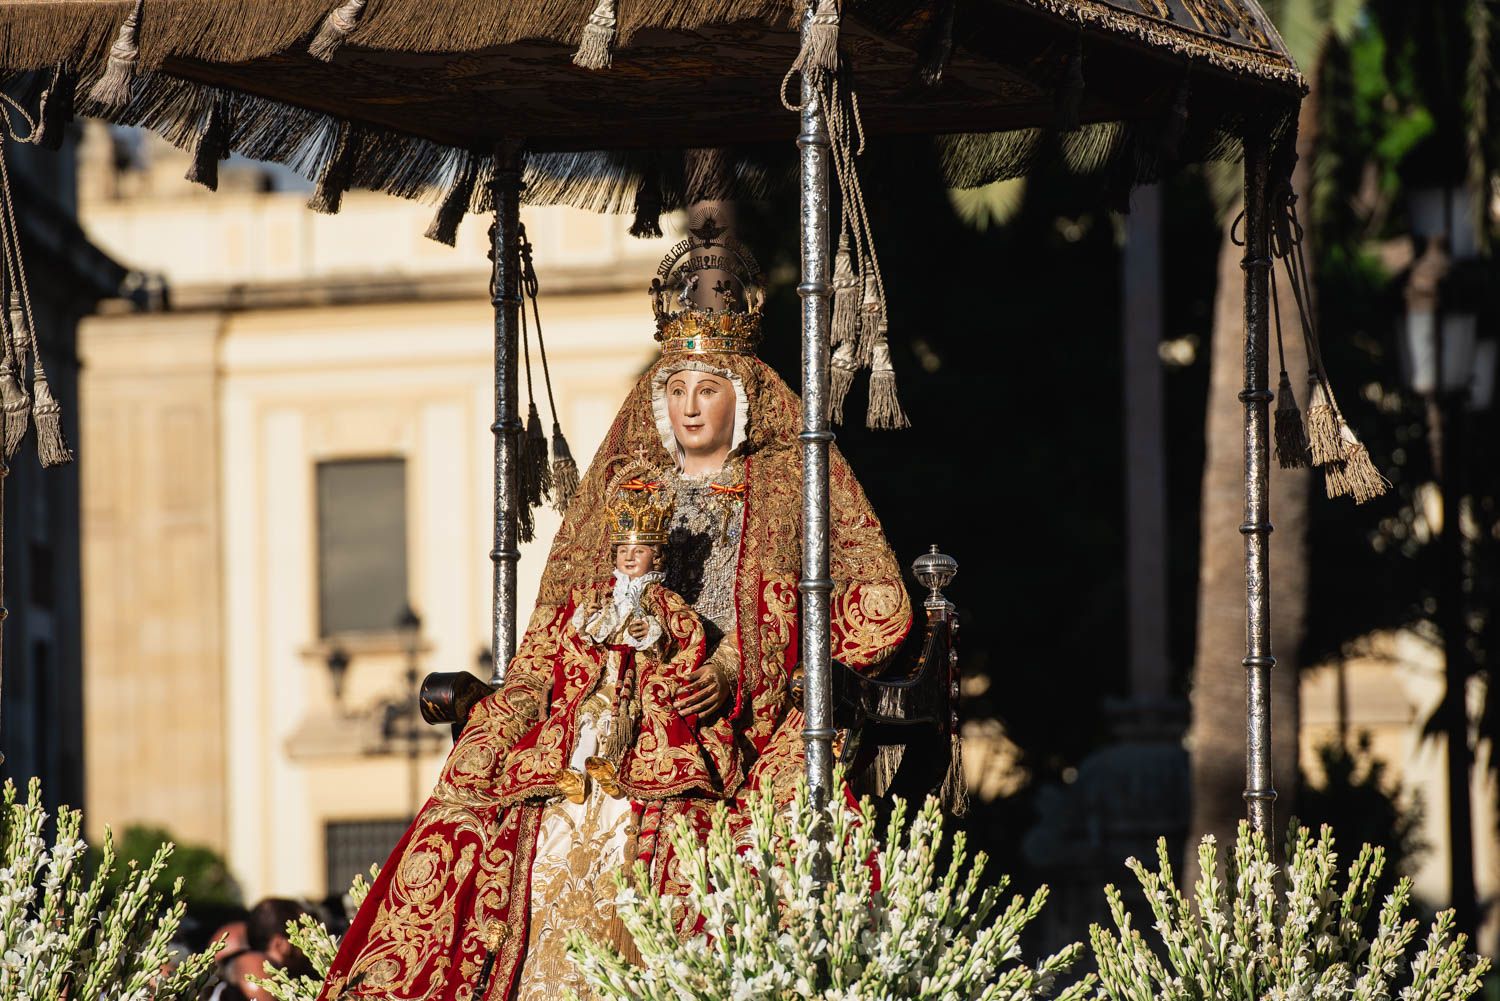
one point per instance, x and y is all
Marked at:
(638, 628)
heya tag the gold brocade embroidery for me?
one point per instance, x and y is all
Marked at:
(416, 928)
(579, 849)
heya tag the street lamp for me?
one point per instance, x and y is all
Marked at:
(1445, 361)
(338, 670)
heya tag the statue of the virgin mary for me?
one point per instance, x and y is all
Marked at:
(476, 899)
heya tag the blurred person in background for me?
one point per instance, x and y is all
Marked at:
(266, 933)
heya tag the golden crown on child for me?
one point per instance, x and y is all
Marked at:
(639, 514)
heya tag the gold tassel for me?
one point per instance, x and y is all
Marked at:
(564, 470)
(57, 108)
(112, 89)
(596, 49)
(1175, 126)
(617, 935)
(841, 370)
(939, 47)
(1068, 101)
(525, 520)
(647, 222)
(15, 402)
(885, 411)
(450, 213)
(844, 327)
(871, 322)
(335, 30)
(954, 792)
(16, 407)
(540, 471)
(1291, 436)
(1322, 425)
(51, 447)
(1335, 479)
(528, 484)
(820, 43)
(1361, 480)
(211, 147)
(334, 181)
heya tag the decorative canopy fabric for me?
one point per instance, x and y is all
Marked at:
(421, 90)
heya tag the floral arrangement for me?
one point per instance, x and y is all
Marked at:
(1244, 938)
(886, 925)
(98, 938)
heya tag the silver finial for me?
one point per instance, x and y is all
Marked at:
(936, 571)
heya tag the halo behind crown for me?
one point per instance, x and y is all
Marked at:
(707, 295)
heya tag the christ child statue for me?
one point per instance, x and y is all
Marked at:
(630, 739)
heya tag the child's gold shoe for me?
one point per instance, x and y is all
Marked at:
(573, 784)
(602, 772)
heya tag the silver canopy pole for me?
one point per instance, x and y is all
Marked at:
(1260, 791)
(505, 295)
(815, 290)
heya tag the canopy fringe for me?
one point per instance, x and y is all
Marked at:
(329, 196)
(335, 30)
(411, 167)
(112, 89)
(212, 145)
(444, 227)
(596, 49)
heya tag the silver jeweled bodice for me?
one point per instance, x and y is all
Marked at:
(702, 548)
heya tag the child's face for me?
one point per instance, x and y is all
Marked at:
(633, 561)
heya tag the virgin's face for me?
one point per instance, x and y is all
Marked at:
(701, 408)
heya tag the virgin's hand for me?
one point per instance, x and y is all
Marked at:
(704, 693)
(638, 628)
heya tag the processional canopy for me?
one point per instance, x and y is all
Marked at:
(411, 96)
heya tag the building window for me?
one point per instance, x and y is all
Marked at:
(361, 545)
(352, 846)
